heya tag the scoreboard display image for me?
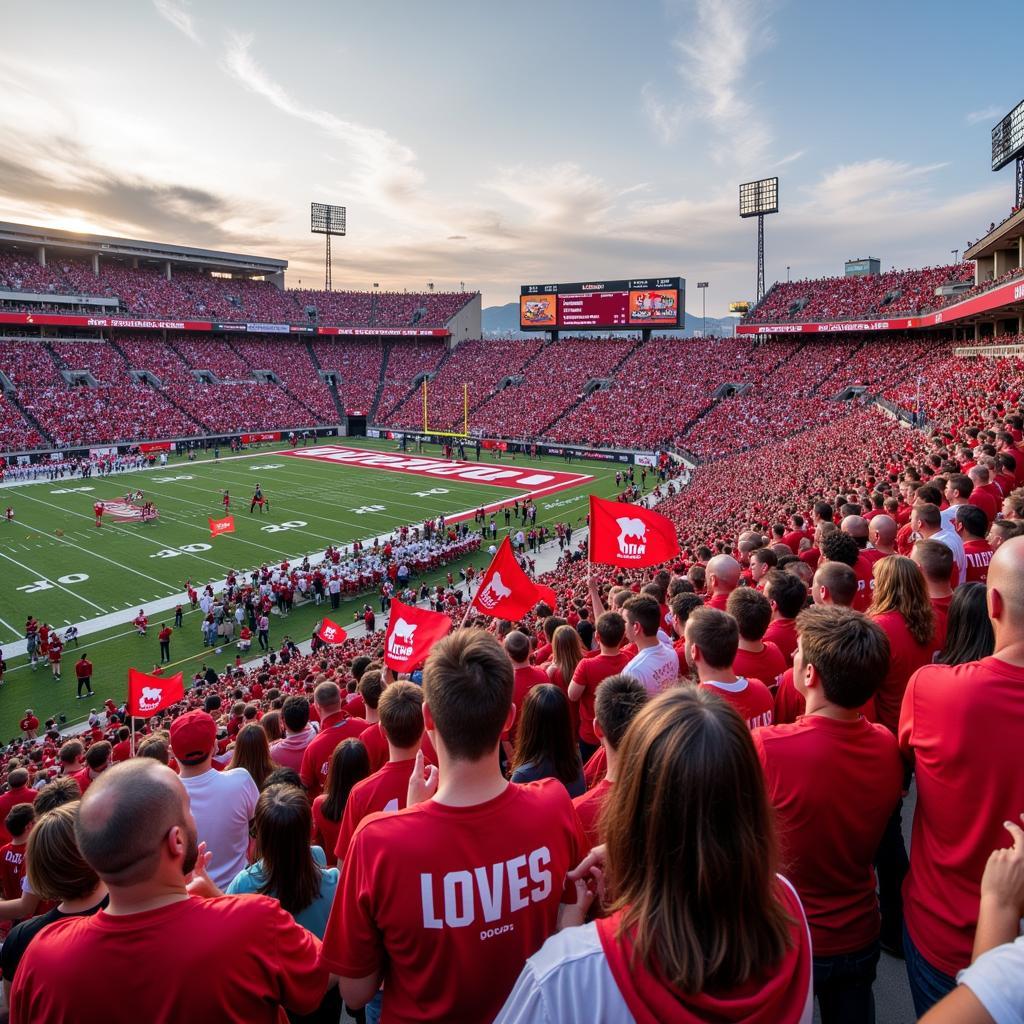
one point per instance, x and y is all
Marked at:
(603, 305)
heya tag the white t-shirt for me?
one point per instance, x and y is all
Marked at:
(952, 540)
(656, 667)
(223, 804)
(997, 979)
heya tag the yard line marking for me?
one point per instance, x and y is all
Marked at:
(18, 634)
(53, 583)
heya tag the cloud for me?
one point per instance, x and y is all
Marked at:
(876, 179)
(179, 16)
(985, 114)
(665, 118)
(788, 159)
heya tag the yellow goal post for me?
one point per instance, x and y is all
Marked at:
(427, 429)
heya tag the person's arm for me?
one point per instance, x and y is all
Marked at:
(961, 1006)
(357, 992)
(1002, 895)
(576, 691)
(17, 910)
(595, 597)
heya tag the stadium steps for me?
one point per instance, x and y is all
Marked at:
(318, 366)
(371, 415)
(415, 389)
(13, 398)
(831, 383)
(284, 387)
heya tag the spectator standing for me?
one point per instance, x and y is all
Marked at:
(349, 766)
(83, 673)
(655, 664)
(298, 733)
(969, 635)
(230, 959)
(590, 672)
(222, 803)
(545, 746)
(336, 725)
(18, 792)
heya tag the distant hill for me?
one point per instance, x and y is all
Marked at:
(504, 321)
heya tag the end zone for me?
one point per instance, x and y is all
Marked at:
(534, 482)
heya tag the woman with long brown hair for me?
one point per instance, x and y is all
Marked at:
(566, 653)
(252, 752)
(349, 764)
(699, 925)
(546, 743)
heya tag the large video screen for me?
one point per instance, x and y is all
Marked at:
(603, 305)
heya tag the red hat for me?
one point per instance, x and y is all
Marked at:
(192, 736)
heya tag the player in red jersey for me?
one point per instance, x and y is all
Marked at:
(97, 510)
(226, 502)
(9, 514)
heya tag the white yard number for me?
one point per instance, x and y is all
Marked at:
(368, 509)
(36, 585)
(292, 524)
(167, 479)
(260, 469)
(433, 490)
(71, 490)
(185, 549)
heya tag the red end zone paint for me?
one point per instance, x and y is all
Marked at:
(536, 482)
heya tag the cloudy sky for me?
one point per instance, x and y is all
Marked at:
(497, 144)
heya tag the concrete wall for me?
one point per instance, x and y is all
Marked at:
(467, 323)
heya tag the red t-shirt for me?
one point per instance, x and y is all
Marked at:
(834, 785)
(979, 554)
(165, 634)
(122, 751)
(750, 697)
(448, 902)
(589, 808)
(28, 723)
(782, 633)
(962, 724)
(13, 797)
(863, 570)
(12, 870)
(325, 831)
(594, 770)
(376, 743)
(767, 665)
(589, 674)
(230, 959)
(988, 503)
(526, 678)
(906, 656)
(718, 601)
(384, 791)
(316, 758)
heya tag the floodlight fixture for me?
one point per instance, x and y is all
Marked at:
(328, 220)
(1008, 145)
(757, 199)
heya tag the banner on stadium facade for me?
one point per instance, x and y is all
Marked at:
(270, 435)
(228, 327)
(268, 328)
(387, 332)
(102, 453)
(372, 432)
(301, 329)
(156, 446)
(645, 459)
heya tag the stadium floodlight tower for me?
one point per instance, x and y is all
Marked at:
(330, 221)
(1008, 144)
(758, 198)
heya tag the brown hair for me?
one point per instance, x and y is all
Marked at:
(252, 752)
(349, 764)
(545, 733)
(371, 685)
(691, 845)
(566, 651)
(156, 747)
(716, 635)
(282, 825)
(56, 868)
(401, 714)
(611, 628)
(645, 612)
(616, 703)
(467, 685)
(934, 559)
(900, 587)
(61, 791)
(272, 725)
(751, 610)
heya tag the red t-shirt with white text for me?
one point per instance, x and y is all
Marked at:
(750, 697)
(384, 790)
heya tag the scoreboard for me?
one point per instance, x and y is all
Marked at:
(603, 305)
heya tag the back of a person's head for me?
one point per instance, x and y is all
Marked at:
(282, 824)
(962, 484)
(611, 628)
(56, 869)
(70, 751)
(787, 591)
(551, 623)
(123, 733)
(517, 647)
(645, 612)
(97, 756)
(371, 686)
(327, 695)
(359, 666)
(349, 764)
(467, 686)
(929, 515)
(839, 580)
(973, 520)
(545, 732)
(935, 560)
(751, 610)
(969, 635)
(716, 636)
(157, 747)
(681, 607)
(17, 778)
(19, 819)
(849, 651)
(823, 510)
(123, 819)
(64, 790)
(840, 547)
(617, 701)
(401, 714)
(900, 587)
(690, 803)
(726, 571)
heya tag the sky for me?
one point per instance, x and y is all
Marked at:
(493, 144)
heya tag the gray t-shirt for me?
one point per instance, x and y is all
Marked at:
(997, 979)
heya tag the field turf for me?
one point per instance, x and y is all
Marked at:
(56, 565)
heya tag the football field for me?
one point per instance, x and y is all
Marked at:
(57, 565)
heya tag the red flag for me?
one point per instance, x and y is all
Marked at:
(506, 592)
(219, 526)
(330, 632)
(629, 535)
(411, 633)
(149, 694)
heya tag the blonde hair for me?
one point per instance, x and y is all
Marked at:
(56, 868)
(900, 587)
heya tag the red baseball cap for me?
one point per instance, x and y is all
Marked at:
(193, 736)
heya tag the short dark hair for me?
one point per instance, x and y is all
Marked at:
(849, 651)
(929, 514)
(823, 510)
(787, 591)
(64, 790)
(401, 714)
(517, 646)
(840, 547)
(644, 611)
(98, 754)
(840, 581)
(973, 519)
(683, 604)
(18, 819)
(962, 484)
(765, 555)
(616, 701)
(715, 634)
(371, 686)
(611, 628)
(467, 685)
(751, 610)
(935, 560)
(295, 712)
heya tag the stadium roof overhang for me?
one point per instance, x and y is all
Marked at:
(29, 238)
(1001, 238)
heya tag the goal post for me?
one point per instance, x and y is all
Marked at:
(427, 429)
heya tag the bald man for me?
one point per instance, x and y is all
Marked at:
(882, 532)
(192, 955)
(723, 576)
(961, 727)
(857, 528)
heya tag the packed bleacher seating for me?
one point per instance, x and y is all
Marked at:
(291, 362)
(855, 297)
(405, 363)
(16, 433)
(358, 363)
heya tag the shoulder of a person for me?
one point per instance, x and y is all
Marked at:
(545, 792)
(567, 950)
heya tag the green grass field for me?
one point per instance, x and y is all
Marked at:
(57, 566)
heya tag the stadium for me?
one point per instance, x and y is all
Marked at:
(685, 667)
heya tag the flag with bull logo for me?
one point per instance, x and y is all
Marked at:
(330, 632)
(149, 694)
(506, 592)
(219, 526)
(629, 536)
(410, 635)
